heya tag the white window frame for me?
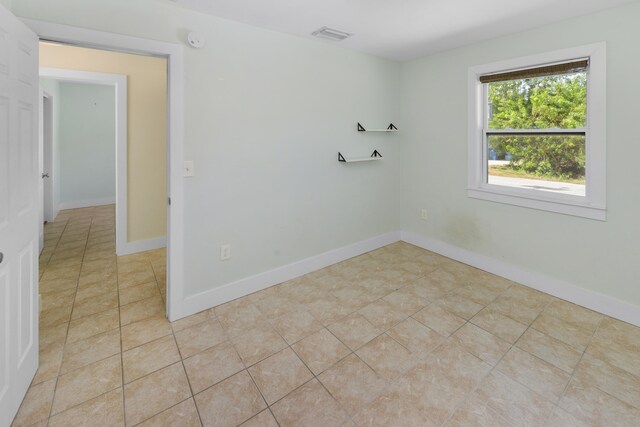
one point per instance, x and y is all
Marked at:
(593, 205)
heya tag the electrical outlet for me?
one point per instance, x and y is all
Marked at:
(188, 168)
(225, 252)
(424, 215)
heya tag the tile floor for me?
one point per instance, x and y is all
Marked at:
(396, 337)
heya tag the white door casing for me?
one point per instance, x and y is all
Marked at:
(19, 211)
(47, 157)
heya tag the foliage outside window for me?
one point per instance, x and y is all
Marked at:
(555, 104)
(537, 131)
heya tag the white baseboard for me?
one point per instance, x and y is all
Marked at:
(128, 248)
(86, 203)
(211, 298)
(601, 303)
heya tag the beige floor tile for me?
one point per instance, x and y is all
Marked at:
(439, 319)
(279, 374)
(238, 318)
(86, 383)
(36, 404)
(535, 373)
(57, 285)
(354, 331)
(397, 406)
(382, 314)
(610, 379)
(135, 277)
(134, 312)
(328, 309)
(56, 316)
(513, 401)
(90, 350)
(230, 402)
(190, 321)
(50, 361)
(521, 304)
(459, 305)
(138, 293)
(415, 337)
(594, 407)
(475, 413)
(574, 334)
(296, 325)
(223, 357)
(499, 325)
(263, 419)
(95, 324)
(258, 344)
(199, 337)
(483, 293)
(104, 410)
(53, 336)
(574, 313)
(154, 393)
(183, 414)
(353, 297)
(352, 383)
(90, 291)
(481, 343)
(406, 301)
(95, 305)
(57, 299)
(144, 331)
(149, 358)
(549, 349)
(309, 406)
(451, 370)
(387, 358)
(618, 344)
(320, 350)
(560, 417)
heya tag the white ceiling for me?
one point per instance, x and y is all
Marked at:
(401, 29)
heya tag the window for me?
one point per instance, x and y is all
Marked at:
(537, 132)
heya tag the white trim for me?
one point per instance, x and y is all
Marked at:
(242, 287)
(119, 82)
(143, 245)
(593, 205)
(576, 294)
(86, 203)
(175, 132)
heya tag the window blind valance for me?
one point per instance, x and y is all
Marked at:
(547, 70)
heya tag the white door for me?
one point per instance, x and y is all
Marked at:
(19, 211)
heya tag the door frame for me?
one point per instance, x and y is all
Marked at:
(174, 53)
(49, 212)
(119, 83)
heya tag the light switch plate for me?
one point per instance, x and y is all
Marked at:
(188, 168)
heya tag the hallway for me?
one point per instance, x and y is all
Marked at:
(93, 306)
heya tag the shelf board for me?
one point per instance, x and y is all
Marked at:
(390, 128)
(374, 156)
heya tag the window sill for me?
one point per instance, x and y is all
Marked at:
(568, 207)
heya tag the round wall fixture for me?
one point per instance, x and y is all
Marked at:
(196, 40)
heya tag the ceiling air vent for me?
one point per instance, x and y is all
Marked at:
(331, 34)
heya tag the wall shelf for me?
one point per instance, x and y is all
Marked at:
(374, 156)
(390, 128)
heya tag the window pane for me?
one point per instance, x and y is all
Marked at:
(539, 103)
(553, 163)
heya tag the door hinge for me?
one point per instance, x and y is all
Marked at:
(169, 200)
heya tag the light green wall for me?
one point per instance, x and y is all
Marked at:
(265, 116)
(87, 143)
(6, 3)
(52, 87)
(600, 256)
